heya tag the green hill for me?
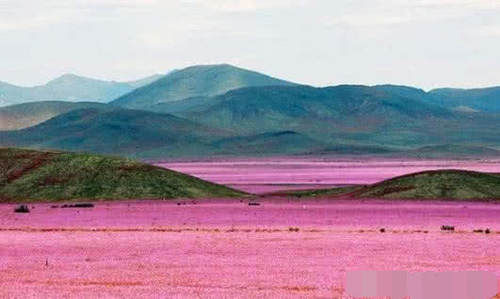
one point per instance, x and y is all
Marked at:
(117, 131)
(436, 184)
(27, 175)
(25, 115)
(194, 81)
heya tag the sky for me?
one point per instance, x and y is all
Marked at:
(422, 43)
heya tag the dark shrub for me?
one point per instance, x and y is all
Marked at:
(79, 205)
(478, 230)
(83, 205)
(447, 227)
(293, 229)
(254, 204)
(382, 230)
(487, 231)
(22, 209)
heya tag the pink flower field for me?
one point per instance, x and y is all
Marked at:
(229, 249)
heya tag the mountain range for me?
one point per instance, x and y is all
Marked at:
(225, 110)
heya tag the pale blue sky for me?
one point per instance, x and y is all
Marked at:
(424, 43)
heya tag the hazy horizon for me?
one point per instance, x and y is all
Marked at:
(426, 44)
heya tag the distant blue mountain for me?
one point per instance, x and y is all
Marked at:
(25, 115)
(72, 88)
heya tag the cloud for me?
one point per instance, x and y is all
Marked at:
(466, 4)
(31, 14)
(490, 31)
(393, 12)
(304, 40)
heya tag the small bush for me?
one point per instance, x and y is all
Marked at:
(22, 209)
(478, 230)
(254, 204)
(382, 230)
(293, 229)
(447, 227)
(487, 231)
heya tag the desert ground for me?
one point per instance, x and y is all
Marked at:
(216, 248)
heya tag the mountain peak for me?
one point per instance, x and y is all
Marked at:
(195, 81)
(69, 78)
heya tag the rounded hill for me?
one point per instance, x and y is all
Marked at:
(447, 184)
(437, 184)
(28, 175)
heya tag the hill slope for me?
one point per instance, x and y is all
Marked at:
(117, 131)
(436, 184)
(25, 115)
(27, 175)
(272, 143)
(195, 81)
(479, 99)
(440, 184)
(70, 87)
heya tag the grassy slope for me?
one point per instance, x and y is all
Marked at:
(27, 175)
(438, 184)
